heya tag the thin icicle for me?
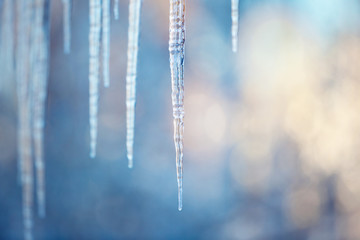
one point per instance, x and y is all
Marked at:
(20, 80)
(132, 53)
(235, 24)
(24, 13)
(106, 40)
(177, 55)
(7, 41)
(39, 51)
(116, 9)
(67, 25)
(94, 49)
(28, 178)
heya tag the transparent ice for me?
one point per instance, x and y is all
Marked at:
(106, 41)
(235, 24)
(94, 50)
(67, 25)
(177, 55)
(132, 53)
(116, 9)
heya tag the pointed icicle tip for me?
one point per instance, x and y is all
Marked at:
(130, 161)
(180, 206)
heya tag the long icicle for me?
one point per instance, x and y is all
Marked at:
(116, 9)
(24, 17)
(20, 82)
(132, 53)
(94, 49)
(21, 94)
(235, 24)
(39, 76)
(106, 41)
(177, 55)
(67, 25)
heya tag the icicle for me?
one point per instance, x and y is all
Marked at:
(67, 25)
(39, 59)
(106, 40)
(235, 23)
(116, 9)
(94, 47)
(133, 43)
(27, 172)
(20, 80)
(177, 55)
(7, 41)
(31, 79)
(24, 13)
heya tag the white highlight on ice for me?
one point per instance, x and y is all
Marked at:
(132, 53)
(177, 57)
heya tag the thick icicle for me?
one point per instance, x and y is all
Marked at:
(116, 9)
(132, 53)
(177, 55)
(94, 49)
(235, 24)
(39, 67)
(106, 40)
(67, 25)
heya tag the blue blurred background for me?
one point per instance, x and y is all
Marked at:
(272, 133)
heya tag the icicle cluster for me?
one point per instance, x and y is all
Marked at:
(99, 17)
(177, 55)
(31, 73)
(235, 24)
(67, 25)
(132, 53)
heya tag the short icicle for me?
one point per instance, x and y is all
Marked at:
(106, 41)
(177, 55)
(132, 53)
(235, 24)
(94, 49)
(116, 9)
(67, 25)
